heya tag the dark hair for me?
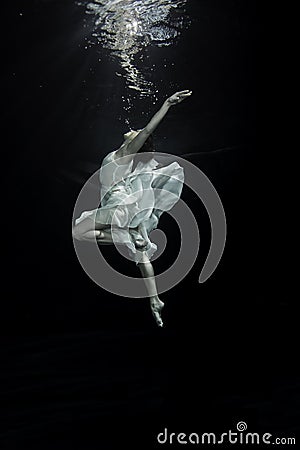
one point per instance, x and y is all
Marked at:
(148, 147)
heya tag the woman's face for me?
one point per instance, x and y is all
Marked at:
(130, 135)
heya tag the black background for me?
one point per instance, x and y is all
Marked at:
(81, 368)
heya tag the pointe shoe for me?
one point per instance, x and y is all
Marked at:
(157, 318)
(156, 307)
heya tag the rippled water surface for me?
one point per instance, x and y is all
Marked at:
(128, 27)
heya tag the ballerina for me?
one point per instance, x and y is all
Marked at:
(135, 191)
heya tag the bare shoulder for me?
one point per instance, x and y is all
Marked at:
(122, 155)
(108, 158)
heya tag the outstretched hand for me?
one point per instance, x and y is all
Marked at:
(178, 97)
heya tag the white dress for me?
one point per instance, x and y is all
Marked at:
(131, 198)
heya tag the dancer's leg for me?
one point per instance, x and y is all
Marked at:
(147, 272)
(102, 236)
(87, 230)
(105, 236)
(143, 232)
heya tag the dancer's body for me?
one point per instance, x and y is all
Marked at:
(133, 199)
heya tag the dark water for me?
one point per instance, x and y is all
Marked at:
(129, 28)
(83, 369)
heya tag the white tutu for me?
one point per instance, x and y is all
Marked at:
(134, 198)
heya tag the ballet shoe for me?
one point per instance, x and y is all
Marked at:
(156, 308)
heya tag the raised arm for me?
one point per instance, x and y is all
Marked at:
(136, 143)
